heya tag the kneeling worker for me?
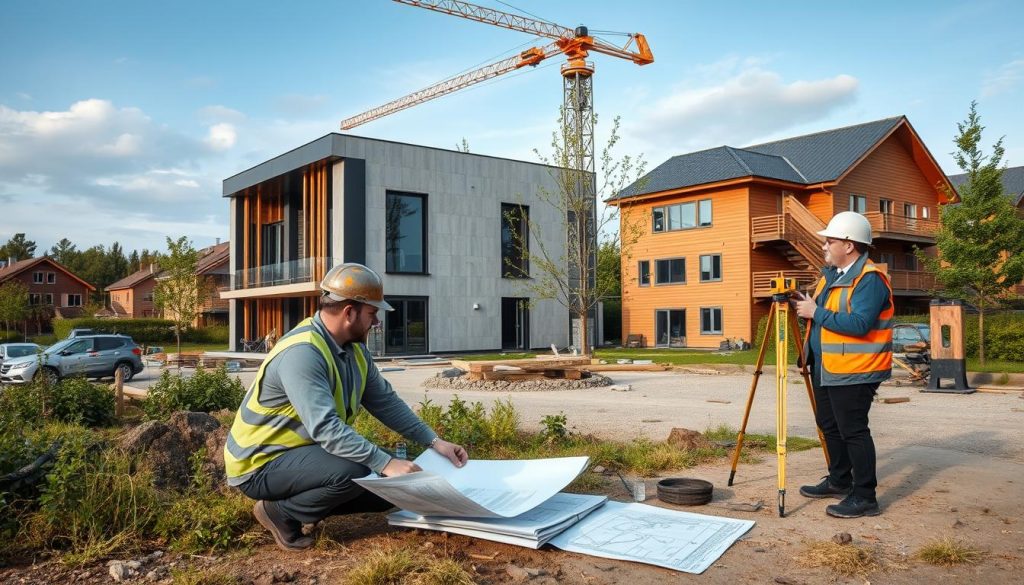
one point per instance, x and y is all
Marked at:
(292, 447)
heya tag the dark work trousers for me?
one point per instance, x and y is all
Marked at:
(308, 484)
(842, 415)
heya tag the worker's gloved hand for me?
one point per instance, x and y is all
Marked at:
(455, 453)
(804, 305)
(399, 467)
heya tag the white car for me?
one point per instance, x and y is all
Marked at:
(17, 350)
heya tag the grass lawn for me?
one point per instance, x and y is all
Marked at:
(995, 366)
(171, 347)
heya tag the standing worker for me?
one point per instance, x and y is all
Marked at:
(292, 447)
(849, 349)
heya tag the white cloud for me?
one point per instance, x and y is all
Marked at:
(737, 102)
(1005, 78)
(221, 136)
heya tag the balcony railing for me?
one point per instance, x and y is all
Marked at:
(907, 280)
(296, 271)
(890, 223)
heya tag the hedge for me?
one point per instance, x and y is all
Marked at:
(9, 336)
(142, 330)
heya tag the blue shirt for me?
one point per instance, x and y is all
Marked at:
(866, 303)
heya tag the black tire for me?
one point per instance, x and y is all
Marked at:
(685, 491)
(126, 369)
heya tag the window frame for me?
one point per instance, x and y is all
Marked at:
(51, 278)
(388, 269)
(73, 295)
(886, 206)
(38, 278)
(524, 227)
(666, 213)
(701, 268)
(35, 299)
(859, 199)
(640, 273)
(669, 260)
(721, 320)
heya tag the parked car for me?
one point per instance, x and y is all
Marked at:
(17, 350)
(904, 334)
(93, 356)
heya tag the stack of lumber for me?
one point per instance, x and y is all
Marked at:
(186, 359)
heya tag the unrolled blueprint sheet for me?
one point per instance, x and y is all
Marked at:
(531, 529)
(479, 489)
(656, 536)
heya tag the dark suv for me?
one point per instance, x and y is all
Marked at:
(92, 356)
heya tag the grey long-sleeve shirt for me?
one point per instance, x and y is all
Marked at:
(299, 375)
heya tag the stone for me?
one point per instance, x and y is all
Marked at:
(957, 523)
(282, 576)
(621, 388)
(518, 574)
(681, 438)
(451, 373)
(745, 506)
(264, 579)
(534, 572)
(598, 469)
(842, 538)
(119, 571)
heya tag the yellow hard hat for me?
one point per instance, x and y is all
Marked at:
(355, 282)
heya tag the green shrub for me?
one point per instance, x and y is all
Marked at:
(143, 330)
(72, 400)
(203, 391)
(8, 336)
(44, 339)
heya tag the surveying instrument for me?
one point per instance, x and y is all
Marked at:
(785, 324)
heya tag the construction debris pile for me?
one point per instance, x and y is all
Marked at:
(522, 375)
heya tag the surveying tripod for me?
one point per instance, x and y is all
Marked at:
(785, 324)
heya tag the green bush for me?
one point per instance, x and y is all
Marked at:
(203, 391)
(72, 400)
(1004, 334)
(44, 339)
(143, 330)
(8, 336)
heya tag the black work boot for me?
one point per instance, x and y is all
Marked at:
(854, 507)
(287, 533)
(825, 489)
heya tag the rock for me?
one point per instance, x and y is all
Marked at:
(154, 555)
(119, 571)
(760, 549)
(282, 576)
(786, 581)
(133, 565)
(264, 579)
(956, 523)
(534, 572)
(598, 469)
(451, 373)
(745, 506)
(518, 574)
(842, 538)
(621, 388)
(686, 439)
(157, 574)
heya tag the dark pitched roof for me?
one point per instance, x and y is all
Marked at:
(134, 279)
(1013, 183)
(22, 265)
(212, 257)
(809, 159)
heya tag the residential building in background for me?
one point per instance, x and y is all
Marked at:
(53, 290)
(132, 296)
(719, 224)
(440, 226)
(214, 268)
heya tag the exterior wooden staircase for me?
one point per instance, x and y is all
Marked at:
(794, 235)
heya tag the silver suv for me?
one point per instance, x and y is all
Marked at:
(92, 356)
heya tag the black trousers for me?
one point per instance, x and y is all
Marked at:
(842, 416)
(308, 484)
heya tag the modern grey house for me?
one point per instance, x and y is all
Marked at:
(438, 225)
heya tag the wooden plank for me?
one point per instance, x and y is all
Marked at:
(529, 364)
(462, 365)
(1001, 390)
(514, 376)
(624, 368)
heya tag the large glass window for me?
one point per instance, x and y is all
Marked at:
(711, 321)
(670, 271)
(515, 241)
(705, 212)
(644, 273)
(406, 232)
(405, 328)
(682, 216)
(670, 327)
(710, 267)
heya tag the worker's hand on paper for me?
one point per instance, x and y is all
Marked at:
(399, 467)
(455, 453)
(804, 305)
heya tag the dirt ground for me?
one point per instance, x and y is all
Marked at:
(948, 465)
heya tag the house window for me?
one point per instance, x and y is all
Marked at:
(37, 278)
(670, 328)
(859, 203)
(925, 213)
(670, 271)
(515, 243)
(47, 298)
(148, 297)
(51, 277)
(705, 212)
(406, 233)
(886, 206)
(35, 298)
(910, 211)
(711, 267)
(888, 259)
(644, 273)
(74, 301)
(711, 321)
(682, 216)
(910, 261)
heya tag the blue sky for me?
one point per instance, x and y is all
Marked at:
(119, 120)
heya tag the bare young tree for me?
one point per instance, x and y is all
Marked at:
(569, 277)
(178, 291)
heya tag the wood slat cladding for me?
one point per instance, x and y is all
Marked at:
(314, 216)
(728, 236)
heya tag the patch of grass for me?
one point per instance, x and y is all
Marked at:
(403, 566)
(193, 576)
(762, 442)
(948, 552)
(845, 559)
(994, 366)
(680, 357)
(588, 483)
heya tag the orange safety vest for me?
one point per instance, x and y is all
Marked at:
(849, 359)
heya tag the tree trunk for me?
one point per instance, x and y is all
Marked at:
(177, 337)
(981, 332)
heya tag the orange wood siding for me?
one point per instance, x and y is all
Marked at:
(822, 204)
(729, 236)
(889, 173)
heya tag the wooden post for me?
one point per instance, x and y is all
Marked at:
(119, 393)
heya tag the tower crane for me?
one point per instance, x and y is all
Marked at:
(575, 44)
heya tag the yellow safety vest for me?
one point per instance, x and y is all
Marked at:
(261, 433)
(848, 359)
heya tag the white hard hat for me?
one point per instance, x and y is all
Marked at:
(848, 225)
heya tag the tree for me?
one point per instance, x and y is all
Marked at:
(981, 240)
(64, 252)
(463, 146)
(179, 292)
(13, 302)
(18, 248)
(571, 278)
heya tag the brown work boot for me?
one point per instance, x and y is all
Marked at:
(287, 534)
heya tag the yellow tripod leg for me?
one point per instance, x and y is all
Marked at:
(750, 397)
(781, 380)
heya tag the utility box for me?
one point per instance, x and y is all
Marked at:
(949, 359)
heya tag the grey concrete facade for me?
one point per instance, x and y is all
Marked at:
(464, 193)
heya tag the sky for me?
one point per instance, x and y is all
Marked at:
(119, 120)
